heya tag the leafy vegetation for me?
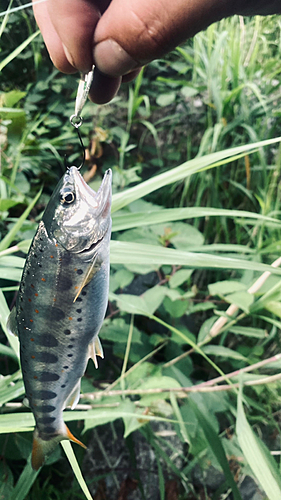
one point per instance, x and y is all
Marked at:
(191, 336)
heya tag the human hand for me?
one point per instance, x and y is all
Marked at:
(120, 36)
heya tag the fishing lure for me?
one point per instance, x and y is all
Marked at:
(61, 304)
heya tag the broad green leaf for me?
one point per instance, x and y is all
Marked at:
(225, 287)
(242, 299)
(122, 252)
(5, 204)
(188, 168)
(180, 277)
(132, 423)
(248, 331)
(274, 307)
(217, 449)
(165, 99)
(117, 331)
(225, 352)
(257, 455)
(123, 220)
(145, 304)
(157, 382)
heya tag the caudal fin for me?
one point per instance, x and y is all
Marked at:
(42, 448)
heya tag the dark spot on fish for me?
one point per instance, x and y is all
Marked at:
(35, 255)
(27, 272)
(41, 239)
(78, 299)
(72, 339)
(67, 332)
(50, 430)
(39, 265)
(57, 314)
(41, 250)
(79, 271)
(48, 377)
(78, 310)
(84, 293)
(32, 286)
(46, 420)
(65, 367)
(79, 319)
(47, 394)
(47, 357)
(46, 408)
(70, 355)
(48, 340)
(63, 386)
(70, 346)
(64, 283)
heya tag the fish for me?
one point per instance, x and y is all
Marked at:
(61, 304)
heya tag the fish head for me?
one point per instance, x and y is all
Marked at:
(77, 217)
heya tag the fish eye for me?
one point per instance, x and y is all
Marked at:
(67, 197)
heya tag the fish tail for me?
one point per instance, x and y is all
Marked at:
(42, 448)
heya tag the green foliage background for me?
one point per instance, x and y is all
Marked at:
(194, 149)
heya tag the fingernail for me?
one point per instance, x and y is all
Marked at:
(111, 59)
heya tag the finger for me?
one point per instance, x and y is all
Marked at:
(74, 23)
(51, 38)
(103, 88)
(132, 33)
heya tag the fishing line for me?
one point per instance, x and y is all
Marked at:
(21, 7)
(83, 149)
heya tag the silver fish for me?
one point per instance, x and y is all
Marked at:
(61, 304)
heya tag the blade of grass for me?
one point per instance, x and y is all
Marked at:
(4, 313)
(123, 252)
(188, 168)
(76, 469)
(18, 50)
(24, 483)
(217, 449)
(257, 455)
(122, 221)
(7, 240)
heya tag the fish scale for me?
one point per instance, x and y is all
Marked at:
(61, 304)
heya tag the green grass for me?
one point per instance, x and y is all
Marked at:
(194, 149)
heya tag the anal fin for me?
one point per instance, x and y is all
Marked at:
(74, 397)
(95, 349)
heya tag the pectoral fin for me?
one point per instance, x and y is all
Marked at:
(92, 269)
(95, 349)
(12, 322)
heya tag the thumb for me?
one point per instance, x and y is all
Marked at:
(131, 33)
